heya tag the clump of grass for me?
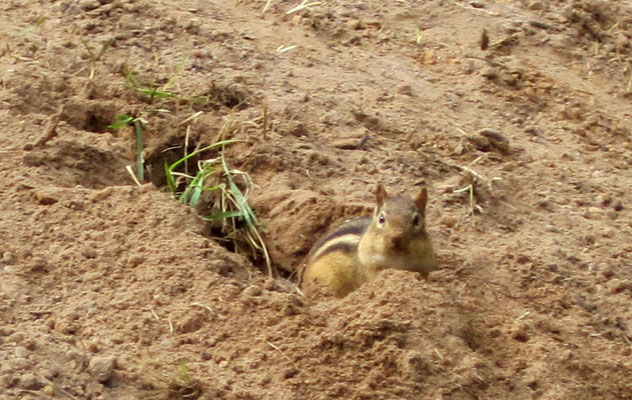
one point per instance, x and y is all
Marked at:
(196, 184)
(152, 92)
(234, 203)
(229, 210)
(475, 183)
(167, 93)
(224, 190)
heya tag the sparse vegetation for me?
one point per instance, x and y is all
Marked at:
(227, 204)
(166, 94)
(212, 185)
(137, 122)
(474, 184)
(95, 57)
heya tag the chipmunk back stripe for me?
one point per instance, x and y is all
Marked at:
(347, 243)
(349, 232)
(353, 227)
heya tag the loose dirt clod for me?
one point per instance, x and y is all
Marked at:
(102, 367)
(50, 129)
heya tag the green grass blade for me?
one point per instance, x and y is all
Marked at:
(242, 203)
(171, 181)
(130, 79)
(203, 149)
(121, 121)
(139, 149)
(154, 93)
(195, 197)
(104, 48)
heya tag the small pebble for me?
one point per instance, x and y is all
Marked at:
(38, 264)
(604, 199)
(8, 258)
(29, 382)
(129, 22)
(608, 232)
(21, 352)
(88, 5)
(252, 291)
(102, 194)
(48, 391)
(535, 5)
(552, 228)
(44, 198)
(49, 373)
(448, 221)
(593, 213)
(6, 331)
(618, 206)
(90, 253)
(102, 367)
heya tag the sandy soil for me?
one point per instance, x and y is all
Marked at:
(110, 290)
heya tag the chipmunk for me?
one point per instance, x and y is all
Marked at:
(356, 251)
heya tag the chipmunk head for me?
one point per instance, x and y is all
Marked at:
(398, 219)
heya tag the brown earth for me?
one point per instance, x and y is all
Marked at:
(109, 290)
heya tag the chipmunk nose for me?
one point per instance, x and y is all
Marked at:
(396, 240)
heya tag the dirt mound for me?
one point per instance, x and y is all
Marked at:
(514, 114)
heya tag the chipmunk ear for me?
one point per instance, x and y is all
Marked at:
(420, 200)
(380, 196)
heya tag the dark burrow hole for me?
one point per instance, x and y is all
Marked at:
(96, 122)
(229, 96)
(220, 95)
(222, 233)
(90, 115)
(168, 154)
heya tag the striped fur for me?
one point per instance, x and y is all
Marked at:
(346, 238)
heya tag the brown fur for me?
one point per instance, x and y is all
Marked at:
(356, 251)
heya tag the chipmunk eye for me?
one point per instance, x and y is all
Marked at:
(416, 220)
(381, 219)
